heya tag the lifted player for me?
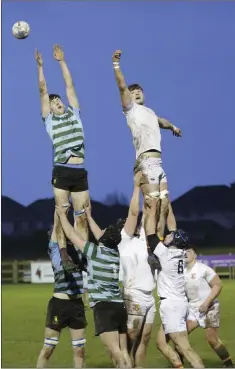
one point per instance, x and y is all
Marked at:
(145, 127)
(65, 129)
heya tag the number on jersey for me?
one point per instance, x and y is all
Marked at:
(180, 267)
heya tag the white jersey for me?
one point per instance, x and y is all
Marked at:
(197, 281)
(170, 280)
(135, 272)
(143, 123)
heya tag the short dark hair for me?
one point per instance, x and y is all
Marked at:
(54, 96)
(112, 235)
(190, 247)
(135, 86)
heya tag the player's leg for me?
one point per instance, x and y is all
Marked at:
(124, 350)
(78, 343)
(50, 342)
(219, 348)
(141, 351)
(191, 324)
(146, 330)
(171, 221)
(55, 322)
(135, 326)
(112, 344)
(164, 206)
(163, 346)
(107, 323)
(77, 324)
(173, 315)
(80, 200)
(183, 346)
(211, 331)
(61, 198)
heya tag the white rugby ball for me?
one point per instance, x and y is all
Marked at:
(21, 30)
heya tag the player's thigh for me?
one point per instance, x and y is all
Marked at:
(162, 339)
(191, 325)
(56, 318)
(80, 200)
(146, 334)
(192, 322)
(61, 196)
(173, 315)
(76, 315)
(110, 340)
(212, 317)
(180, 339)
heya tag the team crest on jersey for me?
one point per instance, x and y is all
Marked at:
(55, 320)
(136, 308)
(193, 275)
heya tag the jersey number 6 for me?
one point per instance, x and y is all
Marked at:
(180, 267)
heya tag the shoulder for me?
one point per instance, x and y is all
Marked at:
(89, 249)
(73, 110)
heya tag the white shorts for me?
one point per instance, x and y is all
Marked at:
(173, 315)
(152, 170)
(140, 307)
(209, 320)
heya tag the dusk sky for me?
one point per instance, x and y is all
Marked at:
(182, 53)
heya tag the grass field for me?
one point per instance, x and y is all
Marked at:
(23, 317)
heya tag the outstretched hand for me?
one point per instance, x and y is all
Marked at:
(58, 53)
(177, 132)
(116, 56)
(38, 58)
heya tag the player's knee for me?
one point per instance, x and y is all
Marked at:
(164, 195)
(49, 346)
(80, 219)
(79, 347)
(152, 195)
(145, 338)
(161, 343)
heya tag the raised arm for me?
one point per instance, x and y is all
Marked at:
(69, 231)
(132, 218)
(125, 94)
(45, 103)
(95, 229)
(70, 90)
(166, 124)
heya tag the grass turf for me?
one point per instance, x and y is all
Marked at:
(23, 317)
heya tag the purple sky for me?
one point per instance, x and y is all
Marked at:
(182, 53)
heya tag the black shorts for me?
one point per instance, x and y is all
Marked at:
(65, 313)
(110, 317)
(69, 179)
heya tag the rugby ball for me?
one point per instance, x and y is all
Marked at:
(21, 30)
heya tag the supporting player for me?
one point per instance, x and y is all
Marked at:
(145, 127)
(65, 129)
(105, 296)
(203, 286)
(171, 290)
(65, 308)
(138, 286)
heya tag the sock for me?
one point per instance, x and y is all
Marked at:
(222, 352)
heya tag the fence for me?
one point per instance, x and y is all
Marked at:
(14, 272)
